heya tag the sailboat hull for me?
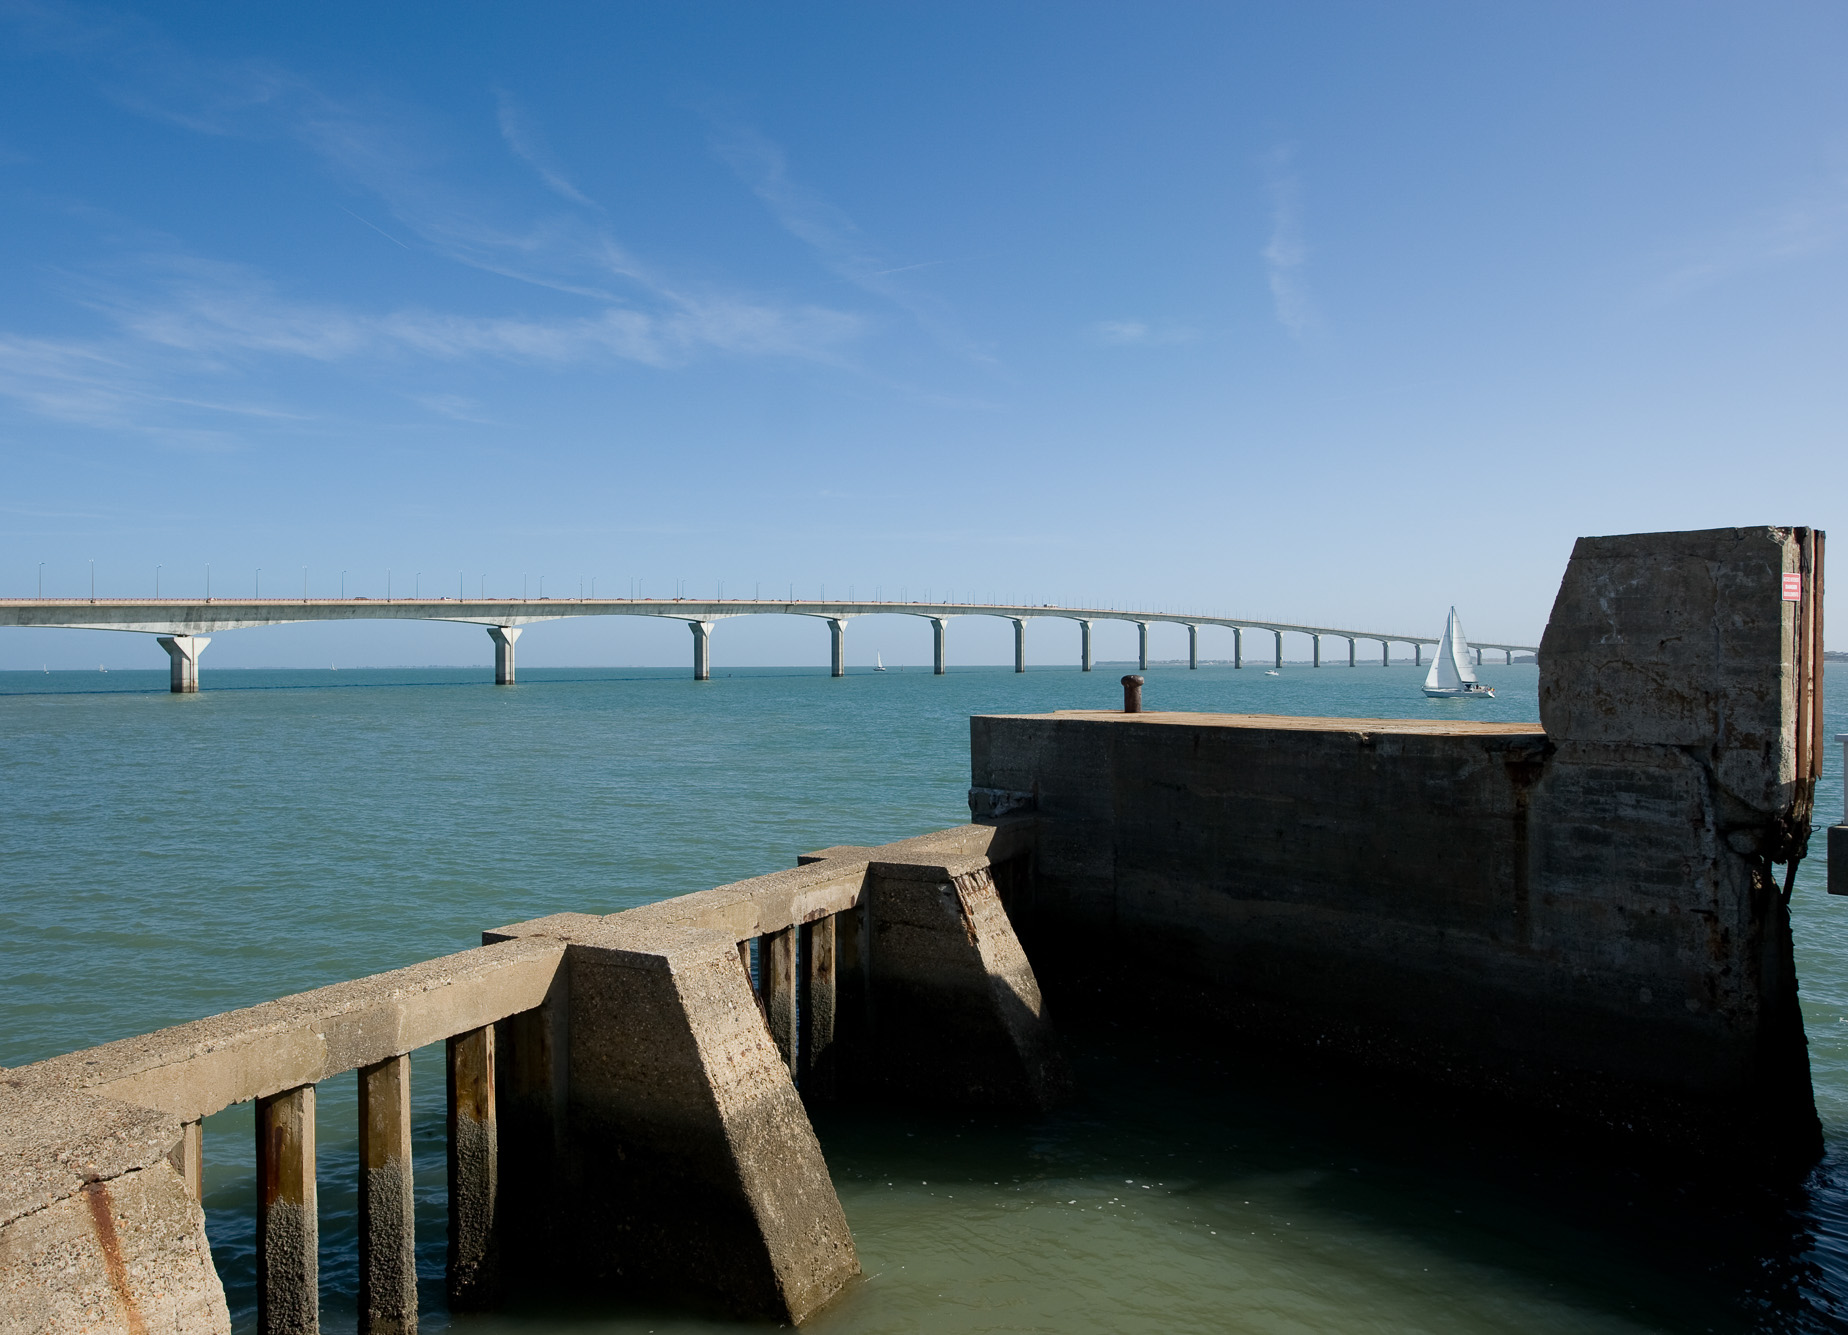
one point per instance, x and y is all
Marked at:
(1451, 692)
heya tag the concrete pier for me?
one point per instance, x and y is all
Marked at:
(837, 646)
(1350, 651)
(1315, 651)
(1417, 654)
(1193, 647)
(184, 651)
(288, 1225)
(1084, 646)
(503, 637)
(1020, 644)
(1279, 635)
(1238, 647)
(387, 1202)
(937, 661)
(1385, 653)
(702, 649)
(1142, 646)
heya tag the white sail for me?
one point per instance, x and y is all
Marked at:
(1450, 669)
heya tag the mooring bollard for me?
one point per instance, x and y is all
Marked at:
(1132, 694)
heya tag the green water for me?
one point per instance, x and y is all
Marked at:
(171, 856)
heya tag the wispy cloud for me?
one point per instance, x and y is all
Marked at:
(1813, 223)
(1133, 333)
(523, 137)
(174, 316)
(1286, 253)
(836, 239)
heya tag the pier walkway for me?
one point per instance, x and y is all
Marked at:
(184, 625)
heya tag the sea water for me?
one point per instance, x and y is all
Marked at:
(167, 857)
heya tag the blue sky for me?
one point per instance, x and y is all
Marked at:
(1336, 313)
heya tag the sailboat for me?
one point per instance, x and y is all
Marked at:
(1451, 674)
(879, 663)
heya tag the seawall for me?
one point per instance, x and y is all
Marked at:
(1580, 919)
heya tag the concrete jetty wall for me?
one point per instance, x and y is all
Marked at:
(626, 1103)
(1579, 916)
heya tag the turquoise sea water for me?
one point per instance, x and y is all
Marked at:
(171, 856)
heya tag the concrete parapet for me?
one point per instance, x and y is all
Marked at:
(622, 1114)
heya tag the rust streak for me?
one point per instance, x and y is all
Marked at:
(103, 1221)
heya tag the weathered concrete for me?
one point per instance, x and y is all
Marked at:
(621, 1115)
(819, 1008)
(938, 665)
(1582, 919)
(702, 649)
(127, 1254)
(691, 1164)
(387, 1201)
(473, 1272)
(288, 1220)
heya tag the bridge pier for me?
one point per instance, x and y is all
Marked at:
(937, 625)
(1350, 651)
(1020, 645)
(1316, 652)
(1417, 654)
(1084, 646)
(1385, 653)
(1508, 657)
(503, 637)
(1142, 646)
(1238, 647)
(702, 649)
(837, 646)
(1193, 646)
(1279, 635)
(184, 651)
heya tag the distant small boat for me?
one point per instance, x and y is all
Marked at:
(1272, 672)
(1451, 675)
(101, 668)
(879, 663)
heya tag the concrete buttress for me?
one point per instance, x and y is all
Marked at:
(689, 1166)
(957, 1016)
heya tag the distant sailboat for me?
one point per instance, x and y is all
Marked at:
(1272, 672)
(879, 663)
(1451, 674)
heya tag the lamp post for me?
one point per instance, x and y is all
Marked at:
(259, 588)
(157, 581)
(41, 592)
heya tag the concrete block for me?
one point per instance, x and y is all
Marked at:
(1681, 640)
(127, 1255)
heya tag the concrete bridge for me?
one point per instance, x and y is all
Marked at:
(185, 625)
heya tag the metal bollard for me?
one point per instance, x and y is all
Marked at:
(1132, 694)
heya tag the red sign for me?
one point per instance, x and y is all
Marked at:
(1793, 588)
